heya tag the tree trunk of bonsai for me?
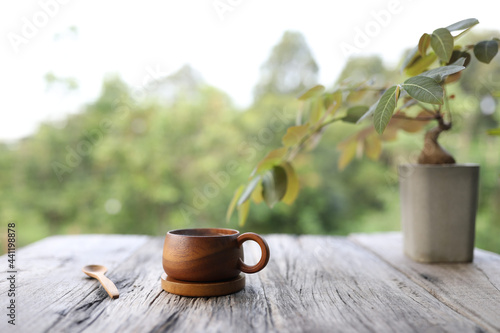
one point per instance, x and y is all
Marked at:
(433, 153)
(438, 204)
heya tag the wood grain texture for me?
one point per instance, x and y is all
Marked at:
(311, 284)
(50, 280)
(471, 289)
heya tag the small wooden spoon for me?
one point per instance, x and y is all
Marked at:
(97, 272)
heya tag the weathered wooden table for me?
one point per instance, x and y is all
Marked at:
(362, 283)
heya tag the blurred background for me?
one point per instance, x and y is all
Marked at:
(138, 118)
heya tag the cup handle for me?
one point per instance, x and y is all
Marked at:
(263, 247)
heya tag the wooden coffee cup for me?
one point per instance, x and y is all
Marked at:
(209, 254)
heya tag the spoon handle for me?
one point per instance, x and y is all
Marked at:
(109, 286)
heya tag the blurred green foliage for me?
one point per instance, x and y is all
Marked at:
(170, 156)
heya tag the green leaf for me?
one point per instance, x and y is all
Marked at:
(234, 200)
(292, 184)
(317, 110)
(272, 158)
(424, 89)
(348, 150)
(495, 131)
(459, 58)
(294, 134)
(355, 113)
(314, 91)
(257, 194)
(423, 44)
(464, 25)
(420, 64)
(486, 50)
(274, 183)
(248, 190)
(460, 61)
(440, 73)
(243, 212)
(333, 100)
(461, 25)
(355, 95)
(410, 58)
(372, 146)
(385, 109)
(442, 43)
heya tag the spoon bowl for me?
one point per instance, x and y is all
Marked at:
(97, 272)
(92, 270)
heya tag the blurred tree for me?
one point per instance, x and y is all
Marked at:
(186, 81)
(289, 70)
(66, 83)
(360, 68)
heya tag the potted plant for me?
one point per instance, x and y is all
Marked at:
(438, 196)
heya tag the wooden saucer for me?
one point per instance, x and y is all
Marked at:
(202, 289)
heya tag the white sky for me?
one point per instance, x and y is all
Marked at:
(130, 38)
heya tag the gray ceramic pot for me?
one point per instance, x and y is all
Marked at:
(438, 211)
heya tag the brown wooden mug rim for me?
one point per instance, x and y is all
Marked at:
(185, 232)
